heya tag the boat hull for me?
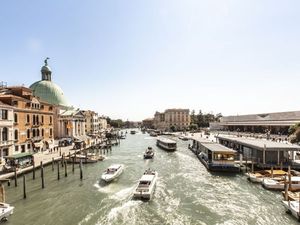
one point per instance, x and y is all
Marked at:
(218, 167)
(6, 211)
(166, 148)
(291, 207)
(109, 178)
(148, 194)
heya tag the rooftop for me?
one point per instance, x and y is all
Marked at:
(215, 147)
(261, 143)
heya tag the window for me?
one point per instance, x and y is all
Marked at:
(5, 134)
(38, 132)
(28, 146)
(28, 133)
(50, 131)
(42, 119)
(50, 119)
(43, 132)
(16, 118)
(28, 118)
(16, 148)
(33, 132)
(16, 135)
(3, 114)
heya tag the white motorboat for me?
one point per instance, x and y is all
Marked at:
(5, 211)
(149, 153)
(292, 207)
(112, 172)
(184, 138)
(274, 184)
(166, 144)
(258, 176)
(146, 185)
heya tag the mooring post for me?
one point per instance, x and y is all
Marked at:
(66, 169)
(81, 175)
(58, 176)
(42, 175)
(33, 171)
(16, 178)
(24, 187)
(73, 162)
(2, 192)
(62, 160)
(85, 157)
(52, 164)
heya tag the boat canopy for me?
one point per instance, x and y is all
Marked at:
(167, 141)
(19, 156)
(147, 178)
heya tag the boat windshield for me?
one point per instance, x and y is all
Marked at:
(221, 157)
(144, 183)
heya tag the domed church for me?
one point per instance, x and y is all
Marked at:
(47, 90)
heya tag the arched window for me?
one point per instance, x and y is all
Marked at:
(16, 135)
(50, 131)
(50, 119)
(38, 132)
(28, 118)
(37, 119)
(33, 132)
(5, 134)
(16, 117)
(42, 132)
(42, 119)
(33, 119)
(28, 133)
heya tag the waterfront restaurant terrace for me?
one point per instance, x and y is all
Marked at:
(264, 153)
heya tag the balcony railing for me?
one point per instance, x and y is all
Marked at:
(6, 143)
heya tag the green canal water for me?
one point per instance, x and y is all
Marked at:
(186, 193)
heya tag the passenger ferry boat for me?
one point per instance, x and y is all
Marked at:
(146, 185)
(166, 144)
(218, 158)
(112, 172)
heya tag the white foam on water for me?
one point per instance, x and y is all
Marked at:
(123, 194)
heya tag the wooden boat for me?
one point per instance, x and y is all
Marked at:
(258, 176)
(5, 211)
(146, 185)
(112, 172)
(292, 196)
(84, 158)
(149, 153)
(293, 208)
(275, 184)
(166, 144)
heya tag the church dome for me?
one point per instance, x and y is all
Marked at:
(48, 91)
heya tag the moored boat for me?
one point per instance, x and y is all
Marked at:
(166, 144)
(112, 172)
(84, 158)
(293, 208)
(149, 153)
(278, 185)
(258, 176)
(292, 196)
(5, 211)
(146, 185)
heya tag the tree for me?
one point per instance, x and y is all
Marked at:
(294, 133)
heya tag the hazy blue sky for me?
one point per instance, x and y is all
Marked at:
(130, 58)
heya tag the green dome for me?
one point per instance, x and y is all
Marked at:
(49, 92)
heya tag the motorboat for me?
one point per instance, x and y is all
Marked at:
(146, 185)
(5, 211)
(292, 196)
(258, 176)
(112, 172)
(275, 184)
(84, 158)
(153, 134)
(149, 153)
(183, 138)
(292, 207)
(132, 132)
(166, 144)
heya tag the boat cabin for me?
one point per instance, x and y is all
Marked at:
(21, 160)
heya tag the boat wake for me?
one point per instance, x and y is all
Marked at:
(124, 194)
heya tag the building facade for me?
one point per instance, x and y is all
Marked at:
(102, 123)
(32, 119)
(172, 120)
(275, 123)
(148, 123)
(92, 125)
(6, 130)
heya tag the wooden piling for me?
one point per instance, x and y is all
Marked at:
(52, 164)
(272, 173)
(290, 179)
(286, 198)
(24, 187)
(73, 162)
(16, 178)
(58, 175)
(33, 171)
(2, 192)
(81, 175)
(41, 165)
(252, 166)
(281, 166)
(42, 175)
(86, 157)
(66, 170)
(62, 160)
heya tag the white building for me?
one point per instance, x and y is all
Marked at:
(6, 130)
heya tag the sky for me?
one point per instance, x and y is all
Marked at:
(128, 59)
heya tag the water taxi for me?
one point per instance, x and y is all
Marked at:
(183, 138)
(258, 176)
(149, 153)
(146, 185)
(132, 132)
(112, 172)
(218, 158)
(5, 211)
(275, 184)
(166, 144)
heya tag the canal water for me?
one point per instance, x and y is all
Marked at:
(186, 193)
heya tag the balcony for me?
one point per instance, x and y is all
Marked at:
(35, 139)
(6, 143)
